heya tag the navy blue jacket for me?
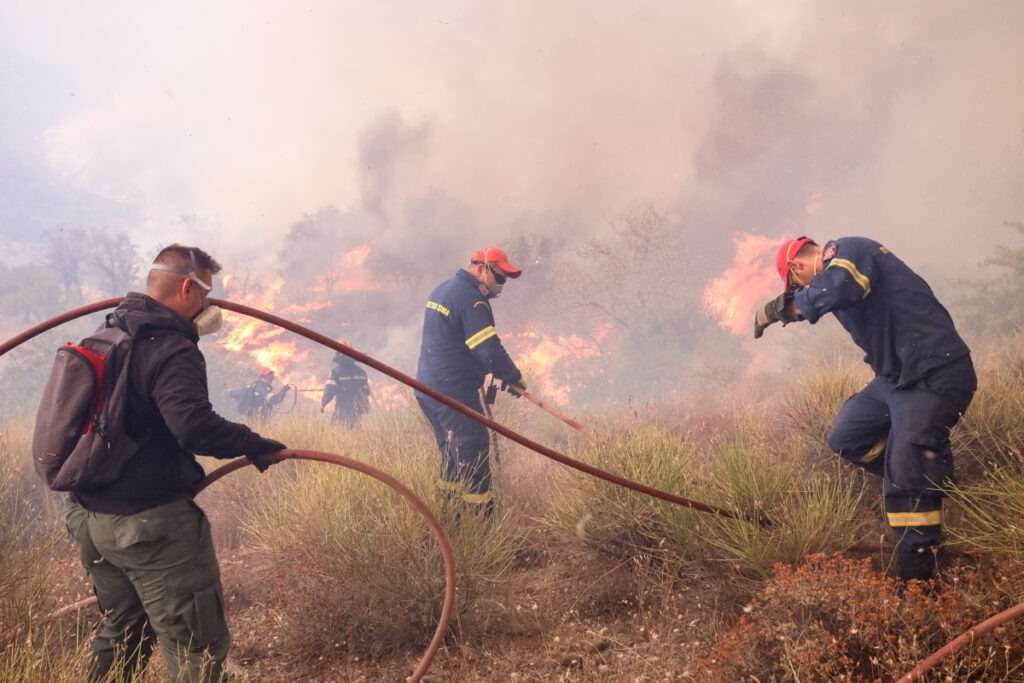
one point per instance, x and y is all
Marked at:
(460, 345)
(349, 385)
(887, 308)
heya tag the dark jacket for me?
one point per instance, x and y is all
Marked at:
(887, 308)
(460, 345)
(168, 410)
(348, 387)
(258, 398)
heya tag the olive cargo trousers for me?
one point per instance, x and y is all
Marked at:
(154, 573)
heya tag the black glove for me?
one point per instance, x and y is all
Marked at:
(261, 457)
(773, 312)
(520, 384)
(286, 388)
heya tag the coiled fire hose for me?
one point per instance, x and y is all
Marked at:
(472, 414)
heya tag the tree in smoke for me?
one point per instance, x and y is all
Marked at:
(618, 278)
(64, 256)
(997, 305)
(114, 260)
(28, 294)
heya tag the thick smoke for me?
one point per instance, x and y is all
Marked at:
(283, 138)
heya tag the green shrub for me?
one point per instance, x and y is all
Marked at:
(812, 404)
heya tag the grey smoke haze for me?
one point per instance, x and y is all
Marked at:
(224, 123)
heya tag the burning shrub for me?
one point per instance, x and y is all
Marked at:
(837, 619)
(354, 564)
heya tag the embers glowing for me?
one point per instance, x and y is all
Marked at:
(752, 279)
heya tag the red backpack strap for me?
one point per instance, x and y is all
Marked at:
(98, 364)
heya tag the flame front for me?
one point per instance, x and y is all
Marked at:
(553, 367)
(751, 279)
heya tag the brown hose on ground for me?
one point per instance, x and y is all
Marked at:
(961, 640)
(421, 507)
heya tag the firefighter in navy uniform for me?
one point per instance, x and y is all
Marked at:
(259, 398)
(460, 347)
(348, 388)
(898, 426)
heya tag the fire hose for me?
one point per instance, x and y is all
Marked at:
(421, 507)
(422, 388)
(405, 379)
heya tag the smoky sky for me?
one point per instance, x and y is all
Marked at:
(224, 123)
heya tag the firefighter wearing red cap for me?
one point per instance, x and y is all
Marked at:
(460, 347)
(259, 398)
(898, 426)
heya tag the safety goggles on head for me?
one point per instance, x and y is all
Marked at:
(498, 277)
(188, 271)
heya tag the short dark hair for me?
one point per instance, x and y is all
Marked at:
(179, 255)
(806, 249)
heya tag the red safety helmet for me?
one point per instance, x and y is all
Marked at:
(265, 372)
(787, 252)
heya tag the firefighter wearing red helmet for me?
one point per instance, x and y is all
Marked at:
(460, 347)
(898, 426)
(258, 399)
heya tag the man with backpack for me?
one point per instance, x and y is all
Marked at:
(144, 542)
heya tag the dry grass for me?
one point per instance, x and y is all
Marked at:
(372, 573)
(333, 577)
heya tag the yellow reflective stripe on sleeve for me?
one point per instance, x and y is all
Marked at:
(477, 498)
(331, 381)
(345, 379)
(858, 276)
(875, 451)
(433, 305)
(449, 485)
(481, 336)
(901, 519)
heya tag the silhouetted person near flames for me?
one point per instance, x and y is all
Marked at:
(460, 347)
(898, 426)
(259, 399)
(348, 388)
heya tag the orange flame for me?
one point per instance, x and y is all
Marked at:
(554, 367)
(751, 279)
(357, 256)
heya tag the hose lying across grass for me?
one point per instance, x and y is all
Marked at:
(421, 507)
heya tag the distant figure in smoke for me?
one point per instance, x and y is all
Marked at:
(259, 399)
(348, 388)
(898, 426)
(460, 347)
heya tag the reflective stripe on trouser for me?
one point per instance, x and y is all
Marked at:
(902, 435)
(465, 447)
(159, 566)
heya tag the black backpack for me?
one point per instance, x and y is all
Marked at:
(80, 442)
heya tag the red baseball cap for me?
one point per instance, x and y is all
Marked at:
(498, 258)
(787, 252)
